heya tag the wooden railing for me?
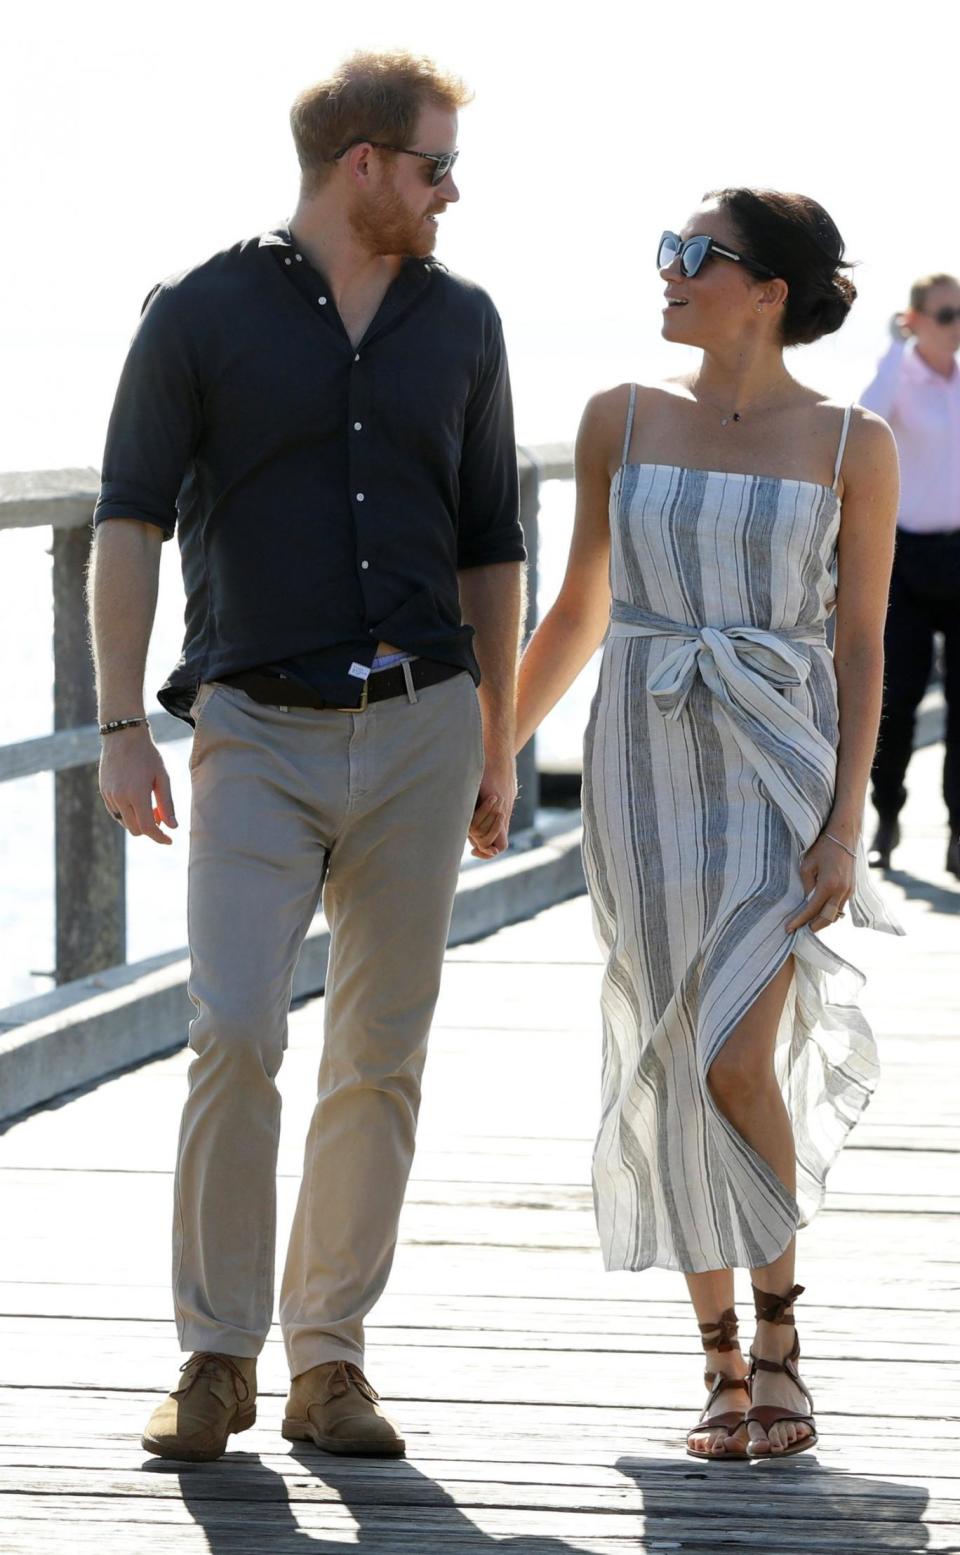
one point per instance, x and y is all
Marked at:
(90, 899)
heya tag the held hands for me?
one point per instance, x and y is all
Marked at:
(490, 827)
(132, 776)
(827, 873)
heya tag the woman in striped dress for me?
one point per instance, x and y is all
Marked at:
(729, 513)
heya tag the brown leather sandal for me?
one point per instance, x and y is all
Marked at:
(722, 1336)
(779, 1310)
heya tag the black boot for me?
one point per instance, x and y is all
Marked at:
(953, 854)
(885, 839)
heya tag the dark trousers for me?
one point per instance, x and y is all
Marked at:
(924, 599)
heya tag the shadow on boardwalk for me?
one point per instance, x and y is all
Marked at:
(407, 1511)
(938, 897)
(839, 1507)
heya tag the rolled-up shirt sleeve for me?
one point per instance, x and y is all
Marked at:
(488, 528)
(155, 424)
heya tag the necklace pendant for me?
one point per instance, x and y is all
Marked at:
(724, 420)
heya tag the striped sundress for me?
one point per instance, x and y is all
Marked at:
(709, 768)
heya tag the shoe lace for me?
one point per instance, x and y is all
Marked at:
(346, 1376)
(207, 1362)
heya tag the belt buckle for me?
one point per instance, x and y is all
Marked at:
(363, 702)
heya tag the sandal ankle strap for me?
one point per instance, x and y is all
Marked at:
(718, 1382)
(773, 1309)
(725, 1328)
(788, 1366)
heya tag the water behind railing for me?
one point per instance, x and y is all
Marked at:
(156, 877)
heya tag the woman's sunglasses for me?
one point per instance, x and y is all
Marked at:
(694, 251)
(442, 160)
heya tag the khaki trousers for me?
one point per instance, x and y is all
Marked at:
(372, 810)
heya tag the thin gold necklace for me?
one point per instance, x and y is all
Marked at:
(733, 415)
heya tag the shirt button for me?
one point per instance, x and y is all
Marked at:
(359, 496)
(357, 357)
(322, 301)
(298, 258)
(287, 261)
(358, 426)
(364, 565)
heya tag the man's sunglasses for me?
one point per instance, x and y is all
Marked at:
(442, 160)
(694, 251)
(945, 315)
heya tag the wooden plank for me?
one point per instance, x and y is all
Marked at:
(85, 1469)
(89, 847)
(407, 1485)
(63, 498)
(637, 1335)
(453, 1430)
(77, 747)
(445, 1525)
(479, 1214)
(513, 1376)
(410, 1317)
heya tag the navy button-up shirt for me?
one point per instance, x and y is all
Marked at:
(324, 495)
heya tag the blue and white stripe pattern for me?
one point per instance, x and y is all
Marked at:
(709, 769)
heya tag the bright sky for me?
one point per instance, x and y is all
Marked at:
(135, 140)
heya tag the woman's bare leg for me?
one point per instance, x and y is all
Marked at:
(711, 1294)
(744, 1086)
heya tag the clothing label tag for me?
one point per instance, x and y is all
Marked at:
(359, 671)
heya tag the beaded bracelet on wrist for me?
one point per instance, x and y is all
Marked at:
(114, 724)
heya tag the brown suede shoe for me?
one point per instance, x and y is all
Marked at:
(218, 1395)
(335, 1407)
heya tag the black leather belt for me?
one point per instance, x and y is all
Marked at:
(280, 691)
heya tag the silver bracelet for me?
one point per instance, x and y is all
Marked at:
(121, 723)
(852, 851)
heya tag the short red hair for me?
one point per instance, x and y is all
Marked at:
(371, 96)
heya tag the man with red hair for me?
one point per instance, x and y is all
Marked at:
(322, 415)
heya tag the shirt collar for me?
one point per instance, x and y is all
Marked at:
(401, 295)
(281, 237)
(924, 373)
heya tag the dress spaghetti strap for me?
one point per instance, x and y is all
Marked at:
(628, 433)
(843, 443)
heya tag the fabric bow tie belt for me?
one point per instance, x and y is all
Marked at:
(747, 670)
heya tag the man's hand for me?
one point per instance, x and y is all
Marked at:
(490, 827)
(132, 777)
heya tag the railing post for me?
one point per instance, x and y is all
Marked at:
(90, 857)
(525, 814)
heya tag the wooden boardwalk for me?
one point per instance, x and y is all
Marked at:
(544, 1401)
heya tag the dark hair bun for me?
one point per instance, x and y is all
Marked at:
(825, 314)
(796, 238)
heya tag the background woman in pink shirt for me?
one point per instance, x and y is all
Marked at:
(917, 390)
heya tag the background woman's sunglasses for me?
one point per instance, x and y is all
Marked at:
(694, 251)
(945, 315)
